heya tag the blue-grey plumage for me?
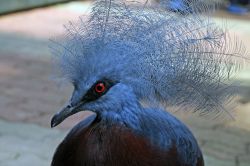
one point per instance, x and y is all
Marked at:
(127, 64)
(168, 142)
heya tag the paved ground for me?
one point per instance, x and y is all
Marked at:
(30, 95)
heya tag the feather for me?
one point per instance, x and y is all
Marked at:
(178, 58)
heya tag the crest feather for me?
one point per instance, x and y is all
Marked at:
(177, 58)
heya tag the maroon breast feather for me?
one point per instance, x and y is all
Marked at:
(98, 145)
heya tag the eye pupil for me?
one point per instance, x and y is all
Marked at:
(100, 87)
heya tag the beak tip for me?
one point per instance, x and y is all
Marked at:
(60, 116)
(53, 122)
(52, 125)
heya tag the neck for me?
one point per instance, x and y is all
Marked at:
(127, 114)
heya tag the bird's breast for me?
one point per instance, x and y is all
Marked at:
(114, 145)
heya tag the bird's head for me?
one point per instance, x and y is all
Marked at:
(103, 96)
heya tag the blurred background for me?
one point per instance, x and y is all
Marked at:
(29, 95)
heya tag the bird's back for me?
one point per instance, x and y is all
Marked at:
(116, 145)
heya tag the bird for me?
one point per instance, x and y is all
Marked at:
(129, 64)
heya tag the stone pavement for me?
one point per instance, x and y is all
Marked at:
(27, 144)
(17, 5)
(30, 95)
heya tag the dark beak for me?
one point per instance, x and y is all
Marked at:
(63, 114)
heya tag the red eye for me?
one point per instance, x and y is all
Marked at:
(100, 87)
